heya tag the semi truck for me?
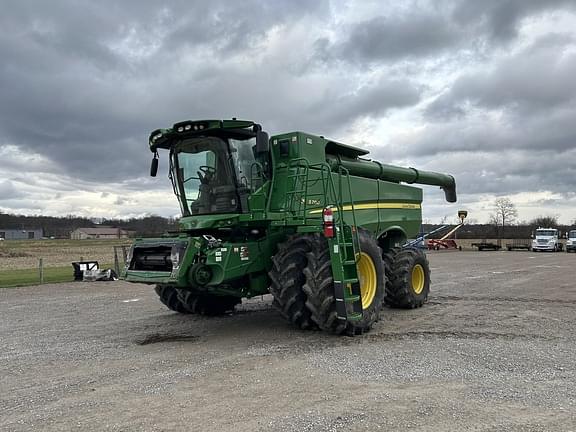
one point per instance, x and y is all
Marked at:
(546, 239)
(308, 219)
(571, 241)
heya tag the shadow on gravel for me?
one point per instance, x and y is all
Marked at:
(161, 338)
(455, 335)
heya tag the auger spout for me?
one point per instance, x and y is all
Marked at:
(376, 170)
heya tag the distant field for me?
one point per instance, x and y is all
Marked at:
(22, 277)
(19, 258)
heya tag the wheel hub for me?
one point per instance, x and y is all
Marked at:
(368, 279)
(418, 279)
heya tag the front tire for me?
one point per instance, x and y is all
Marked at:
(169, 297)
(319, 287)
(408, 276)
(207, 304)
(287, 278)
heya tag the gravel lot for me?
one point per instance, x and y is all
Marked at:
(493, 350)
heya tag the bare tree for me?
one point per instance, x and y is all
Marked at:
(505, 213)
(549, 221)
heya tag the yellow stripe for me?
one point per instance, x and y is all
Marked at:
(374, 206)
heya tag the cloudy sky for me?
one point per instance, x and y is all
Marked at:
(484, 90)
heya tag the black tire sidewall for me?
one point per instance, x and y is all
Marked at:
(369, 246)
(399, 291)
(423, 295)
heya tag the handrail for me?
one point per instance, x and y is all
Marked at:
(297, 198)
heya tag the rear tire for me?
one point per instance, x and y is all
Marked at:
(408, 276)
(169, 297)
(287, 278)
(207, 304)
(319, 287)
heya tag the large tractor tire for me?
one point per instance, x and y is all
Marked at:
(287, 279)
(169, 297)
(319, 287)
(408, 275)
(207, 304)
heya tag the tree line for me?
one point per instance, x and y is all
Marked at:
(61, 227)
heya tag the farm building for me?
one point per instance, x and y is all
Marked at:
(21, 234)
(99, 233)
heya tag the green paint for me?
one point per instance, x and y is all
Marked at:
(242, 203)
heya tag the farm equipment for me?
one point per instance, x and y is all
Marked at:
(486, 245)
(437, 244)
(519, 244)
(444, 242)
(419, 241)
(302, 217)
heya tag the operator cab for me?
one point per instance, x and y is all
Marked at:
(214, 166)
(211, 175)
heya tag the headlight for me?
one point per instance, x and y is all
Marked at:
(177, 253)
(175, 258)
(129, 256)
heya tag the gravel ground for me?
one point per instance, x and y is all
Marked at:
(493, 350)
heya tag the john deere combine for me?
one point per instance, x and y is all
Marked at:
(299, 216)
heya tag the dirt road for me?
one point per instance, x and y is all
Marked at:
(493, 350)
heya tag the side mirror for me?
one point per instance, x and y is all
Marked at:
(262, 142)
(154, 166)
(532, 235)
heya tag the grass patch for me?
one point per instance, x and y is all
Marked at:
(24, 277)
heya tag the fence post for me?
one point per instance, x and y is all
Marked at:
(41, 270)
(116, 263)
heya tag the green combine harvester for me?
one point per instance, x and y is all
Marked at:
(302, 217)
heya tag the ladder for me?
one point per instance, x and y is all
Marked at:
(347, 292)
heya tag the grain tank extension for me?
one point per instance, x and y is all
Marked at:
(305, 218)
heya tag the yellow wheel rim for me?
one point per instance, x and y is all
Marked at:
(368, 279)
(418, 279)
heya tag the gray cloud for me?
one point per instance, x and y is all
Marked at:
(450, 27)
(84, 83)
(461, 85)
(537, 79)
(499, 19)
(8, 191)
(392, 38)
(370, 101)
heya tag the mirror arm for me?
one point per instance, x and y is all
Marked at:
(154, 165)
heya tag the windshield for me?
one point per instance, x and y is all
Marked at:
(545, 233)
(572, 234)
(211, 175)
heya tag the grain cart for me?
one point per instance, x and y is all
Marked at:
(302, 217)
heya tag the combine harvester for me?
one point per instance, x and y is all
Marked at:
(302, 217)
